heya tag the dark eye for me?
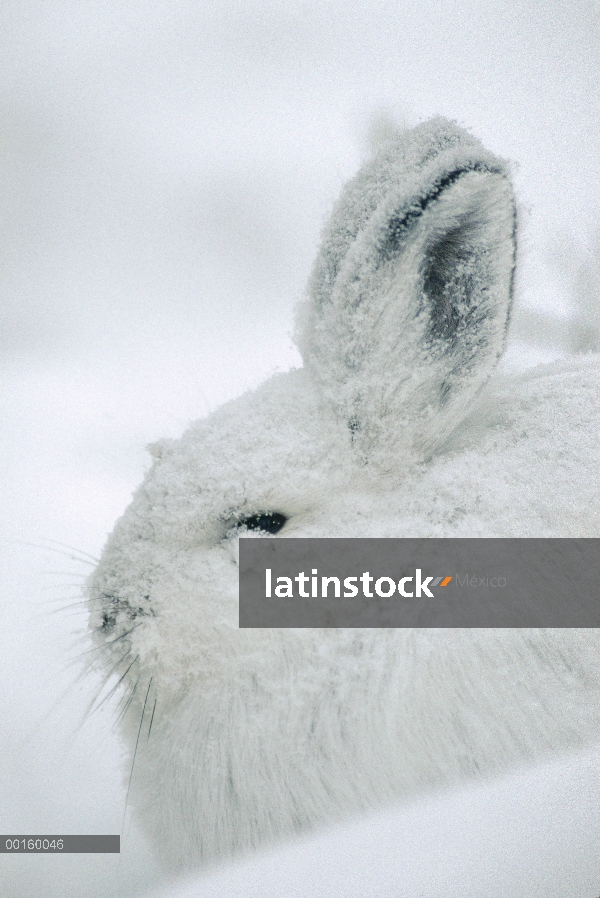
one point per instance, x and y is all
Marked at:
(269, 521)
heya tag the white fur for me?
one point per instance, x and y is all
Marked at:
(241, 737)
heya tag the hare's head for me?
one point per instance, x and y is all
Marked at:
(407, 313)
(406, 316)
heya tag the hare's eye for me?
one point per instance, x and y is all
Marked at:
(270, 522)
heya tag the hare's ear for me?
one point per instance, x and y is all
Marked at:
(411, 292)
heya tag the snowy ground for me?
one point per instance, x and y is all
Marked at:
(529, 834)
(166, 170)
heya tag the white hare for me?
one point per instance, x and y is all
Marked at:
(241, 737)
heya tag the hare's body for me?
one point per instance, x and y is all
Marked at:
(241, 737)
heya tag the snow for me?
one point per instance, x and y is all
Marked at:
(530, 833)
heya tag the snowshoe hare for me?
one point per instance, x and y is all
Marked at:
(241, 737)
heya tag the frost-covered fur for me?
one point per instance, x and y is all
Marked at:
(245, 736)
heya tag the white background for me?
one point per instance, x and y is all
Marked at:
(165, 171)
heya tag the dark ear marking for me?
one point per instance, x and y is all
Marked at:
(400, 225)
